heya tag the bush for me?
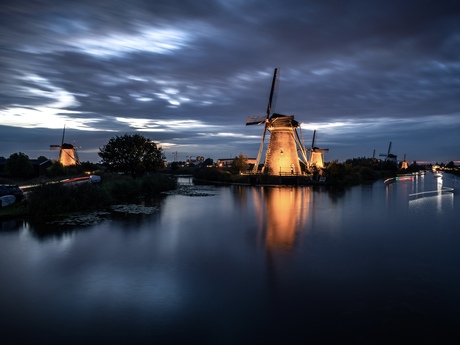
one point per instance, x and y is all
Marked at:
(49, 200)
(152, 184)
(212, 174)
(53, 199)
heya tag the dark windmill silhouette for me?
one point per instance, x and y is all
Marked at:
(389, 156)
(67, 152)
(282, 152)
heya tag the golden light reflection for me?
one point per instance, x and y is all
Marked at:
(281, 212)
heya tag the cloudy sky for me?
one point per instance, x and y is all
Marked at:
(186, 74)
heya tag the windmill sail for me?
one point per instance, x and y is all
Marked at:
(67, 152)
(282, 152)
(252, 120)
(389, 156)
(273, 93)
(316, 154)
(255, 120)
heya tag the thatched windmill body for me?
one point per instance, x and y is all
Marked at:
(67, 152)
(316, 154)
(282, 155)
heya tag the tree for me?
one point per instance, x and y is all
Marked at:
(240, 163)
(132, 154)
(56, 169)
(19, 165)
(450, 165)
(208, 162)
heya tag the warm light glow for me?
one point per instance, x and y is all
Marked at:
(68, 157)
(316, 159)
(286, 210)
(281, 157)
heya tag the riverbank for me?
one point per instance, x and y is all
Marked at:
(50, 199)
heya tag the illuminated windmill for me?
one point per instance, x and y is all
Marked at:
(316, 154)
(389, 156)
(67, 152)
(281, 156)
(404, 164)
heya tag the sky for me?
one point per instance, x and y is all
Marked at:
(187, 74)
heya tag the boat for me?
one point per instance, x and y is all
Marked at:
(11, 189)
(7, 200)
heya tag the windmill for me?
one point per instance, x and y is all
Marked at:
(389, 156)
(316, 154)
(404, 164)
(281, 156)
(67, 152)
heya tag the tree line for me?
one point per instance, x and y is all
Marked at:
(133, 155)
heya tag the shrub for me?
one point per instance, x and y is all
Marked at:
(49, 200)
(53, 199)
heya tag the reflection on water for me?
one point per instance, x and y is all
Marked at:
(281, 211)
(238, 265)
(420, 192)
(434, 195)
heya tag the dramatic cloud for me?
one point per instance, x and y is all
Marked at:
(187, 74)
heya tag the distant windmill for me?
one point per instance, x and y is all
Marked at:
(67, 152)
(389, 156)
(404, 164)
(281, 156)
(316, 154)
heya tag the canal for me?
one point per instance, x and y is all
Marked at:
(243, 265)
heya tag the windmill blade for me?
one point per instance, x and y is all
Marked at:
(273, 93)
(261, 148)
(389, 148)
(301, 148)
(55, 147)
(255, 120)
(313, 141)
(63, 133)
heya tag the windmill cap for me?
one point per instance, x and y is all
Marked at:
(67, 146)
(283, 120)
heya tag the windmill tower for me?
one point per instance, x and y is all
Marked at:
(67, 152)
(316, 154)
(281, 155)
(389, 156)
(404, 164)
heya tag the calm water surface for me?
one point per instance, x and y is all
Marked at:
(244, 265)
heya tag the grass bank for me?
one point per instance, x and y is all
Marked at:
(51, 199)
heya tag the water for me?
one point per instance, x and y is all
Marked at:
(244, 265)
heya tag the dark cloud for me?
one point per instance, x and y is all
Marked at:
(187, 73)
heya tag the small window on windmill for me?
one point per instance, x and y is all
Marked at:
(281, 150)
